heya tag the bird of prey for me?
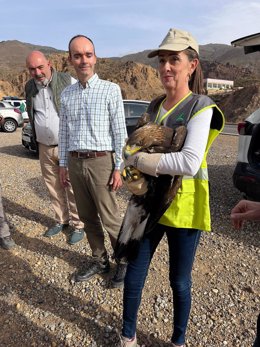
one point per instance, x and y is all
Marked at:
(156, 194)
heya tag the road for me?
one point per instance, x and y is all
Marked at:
(230, 129)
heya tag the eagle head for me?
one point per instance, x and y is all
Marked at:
(147, 136)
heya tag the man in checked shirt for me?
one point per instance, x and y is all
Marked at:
(92, 127)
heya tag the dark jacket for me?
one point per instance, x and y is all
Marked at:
(60, 80)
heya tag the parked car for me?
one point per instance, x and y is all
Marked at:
(13, 101)
(133, 110)
(17, 103)
(10, 118)
(5, 104)
(246, 176)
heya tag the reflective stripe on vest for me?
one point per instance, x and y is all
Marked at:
(202, 174)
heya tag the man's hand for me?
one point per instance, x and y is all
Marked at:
(245, 210)
(64, 177)
(116, 180)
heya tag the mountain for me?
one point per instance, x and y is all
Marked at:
(219, 53)
(137, 76)
(239, 104)
(13, 54)
(137, 81)
(218, 61)
(228, 54)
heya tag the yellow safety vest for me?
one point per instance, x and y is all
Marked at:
(190, 207)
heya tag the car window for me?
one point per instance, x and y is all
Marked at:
(134, 110)
(5, 104)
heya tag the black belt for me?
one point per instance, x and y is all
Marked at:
(88, 154)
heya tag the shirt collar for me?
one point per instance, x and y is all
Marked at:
(91, 82)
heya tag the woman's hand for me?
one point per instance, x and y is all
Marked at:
(145, 162)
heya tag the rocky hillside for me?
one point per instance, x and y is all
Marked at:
(239, 104)
(218, 61)
(13, 53)
(139, 80)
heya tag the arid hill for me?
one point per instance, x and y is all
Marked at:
(239, 104)
(218, 61)
(13, 53)
(138, 80)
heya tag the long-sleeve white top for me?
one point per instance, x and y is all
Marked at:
(188, 160)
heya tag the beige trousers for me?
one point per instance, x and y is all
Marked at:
(97, 204)
(62, 200)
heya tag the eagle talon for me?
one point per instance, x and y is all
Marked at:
(130, 174)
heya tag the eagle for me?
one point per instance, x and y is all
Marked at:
(155, 195)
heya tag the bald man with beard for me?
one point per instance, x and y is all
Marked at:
(43, 92)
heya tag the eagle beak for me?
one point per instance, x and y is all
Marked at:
(130, 150)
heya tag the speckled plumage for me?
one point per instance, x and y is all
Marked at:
(144, 211)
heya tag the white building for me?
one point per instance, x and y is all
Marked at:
(215, 84)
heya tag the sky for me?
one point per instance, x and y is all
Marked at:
(121, 27)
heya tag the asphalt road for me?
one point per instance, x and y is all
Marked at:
(230, 129)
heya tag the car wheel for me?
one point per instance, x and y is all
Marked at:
(9, 125)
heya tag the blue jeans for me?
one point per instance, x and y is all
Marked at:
(182, 245)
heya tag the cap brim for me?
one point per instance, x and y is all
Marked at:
(170, 47)
(153, 54)
(177, 47)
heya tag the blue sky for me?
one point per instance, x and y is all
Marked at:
(120, 27)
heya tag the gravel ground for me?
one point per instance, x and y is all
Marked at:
(41, 306)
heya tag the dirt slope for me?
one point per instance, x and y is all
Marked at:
(139, 81)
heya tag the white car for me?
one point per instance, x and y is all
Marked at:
(17, 103)
(10, 117)
(246, 176)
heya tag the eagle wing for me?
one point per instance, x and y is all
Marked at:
(144, 211)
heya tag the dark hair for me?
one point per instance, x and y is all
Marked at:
(196, 79)
(76, 36)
